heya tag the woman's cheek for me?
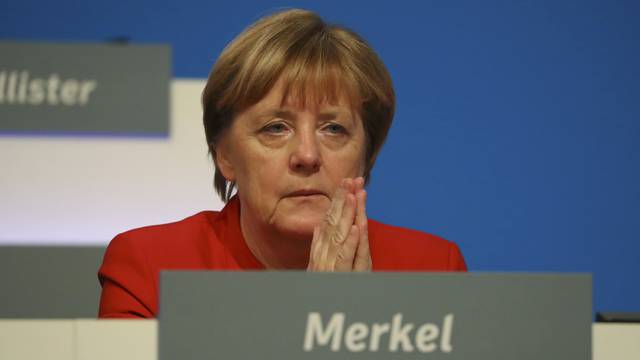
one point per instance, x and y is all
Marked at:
(270, 141)
(334, 142)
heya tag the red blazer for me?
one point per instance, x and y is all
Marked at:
(212, 240)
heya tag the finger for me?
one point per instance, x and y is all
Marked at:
(314, 253)
(361, 208)
(346, 253)
(362, 261)
(323, 250)
(359, 184)
(346, 220)
(332, 222)
(329, 227)
(337, 203)
(340, 233)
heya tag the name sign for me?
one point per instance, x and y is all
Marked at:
(297, 315)
(102, 89)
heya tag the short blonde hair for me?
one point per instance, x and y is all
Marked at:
(317, 62)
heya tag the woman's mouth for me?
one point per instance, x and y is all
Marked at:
(306, 193)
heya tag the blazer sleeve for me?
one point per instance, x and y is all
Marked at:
(456, 261)
(128, 288)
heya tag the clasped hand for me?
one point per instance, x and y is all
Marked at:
(341, 242)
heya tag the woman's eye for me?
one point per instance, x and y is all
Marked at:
(335, 129)
(276, 128)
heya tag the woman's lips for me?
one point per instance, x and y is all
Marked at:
(306, 193)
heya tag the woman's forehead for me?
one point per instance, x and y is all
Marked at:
(288, 109)
(318, 99)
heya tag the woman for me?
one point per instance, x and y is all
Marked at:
(295, 112)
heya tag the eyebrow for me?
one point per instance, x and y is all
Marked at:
(329, 115)
(287, 114)
(283, 113)
(337, 113)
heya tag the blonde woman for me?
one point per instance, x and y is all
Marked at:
(295, 112)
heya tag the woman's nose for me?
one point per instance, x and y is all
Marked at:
(305, 155)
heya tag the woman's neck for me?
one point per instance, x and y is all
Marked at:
(276, 251)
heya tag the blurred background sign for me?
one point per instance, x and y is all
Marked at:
(84, 88)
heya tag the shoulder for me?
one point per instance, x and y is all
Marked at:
(170, 233)
(398, 248)
(174, 240)
(129, 270)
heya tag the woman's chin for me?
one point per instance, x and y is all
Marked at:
(299, 226)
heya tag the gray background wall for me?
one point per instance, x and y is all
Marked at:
(49, 282)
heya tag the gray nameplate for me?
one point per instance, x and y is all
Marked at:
(297, 315)
(104, 89)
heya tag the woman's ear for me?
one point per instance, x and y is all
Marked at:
(224, 162)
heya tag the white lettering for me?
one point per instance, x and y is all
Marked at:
(355, 336)
(400, 334)
(425, 337)
(18, 87)
(52, 89)
(68, 92)
(85, 91)
(377, 330)
(447, 329)
(22, 87)
(400, 337)
(36, 92)
(11, 87)
(314, 331)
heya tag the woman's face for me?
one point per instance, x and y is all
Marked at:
(288, 161)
